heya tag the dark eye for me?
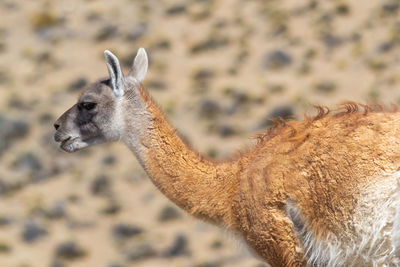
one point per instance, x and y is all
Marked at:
(87, 105)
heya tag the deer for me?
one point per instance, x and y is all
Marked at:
(323, 191)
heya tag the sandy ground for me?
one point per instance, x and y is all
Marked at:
(218, 68)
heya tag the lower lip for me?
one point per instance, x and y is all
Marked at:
(67, 147)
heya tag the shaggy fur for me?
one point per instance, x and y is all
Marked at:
(323, 191)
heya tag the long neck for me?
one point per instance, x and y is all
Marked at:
(203, 188)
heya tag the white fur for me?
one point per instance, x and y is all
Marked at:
(140, 65)
(139, 122)
(376, 237)
(116, 76)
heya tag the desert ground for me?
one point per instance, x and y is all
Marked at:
(218, 68)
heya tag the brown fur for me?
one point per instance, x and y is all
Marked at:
(321, 165)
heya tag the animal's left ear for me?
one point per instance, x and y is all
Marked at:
(116, 76)
(140, 65)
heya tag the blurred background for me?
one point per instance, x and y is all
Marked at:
(218, 68)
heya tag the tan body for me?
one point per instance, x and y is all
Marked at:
(323, 191)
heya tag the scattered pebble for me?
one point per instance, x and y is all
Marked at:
(78, 84)
(179, 247)
(33, 231)
(137, 32)
(176, 10)
(277, 60)
(124, 231)
(69, 250)
(139, 252)
(56, 211)
(28, 162)
(5, 247)
(106, 32)
(109, 160)
(101, 186)
(226, 130)
(209, 109)
(212, 43)
(169, 213)
(284, 112)
(325, 86)
(11, 129)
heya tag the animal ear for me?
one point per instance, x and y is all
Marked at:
(116, 76)
(140, 65)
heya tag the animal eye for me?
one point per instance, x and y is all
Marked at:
(87, 105)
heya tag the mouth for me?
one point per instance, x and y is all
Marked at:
(69, 144)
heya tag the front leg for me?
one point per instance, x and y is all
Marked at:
(275, 240)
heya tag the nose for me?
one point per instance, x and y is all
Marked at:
(56, 126)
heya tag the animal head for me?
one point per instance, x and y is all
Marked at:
(97, 116)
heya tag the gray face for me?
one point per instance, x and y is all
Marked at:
(89, 121)
(97, 117)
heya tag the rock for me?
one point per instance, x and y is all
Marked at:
(284, 112)
(109, 160)
(57, 263)
(390, 7)
(4, 77)
(209, 264)
(69, 250)
(46, 118)
(160, 44)
(156, 85)
(125, 231)
(32, 232)
(169, 213)
(101, 186)
(3, 188)
(139, 252)
(239, 99)
(112, 207)
(179, 247)
(276, 88)
(201, 79)
(11, 129)
(5, 247)
(209, 108)
(212, 43)
(226, 130)
(331, 41)
(176, 10)
(10, 187)
(45, 19)
(137, 32)
(28, 162)
(342, 9)
(216, 244)
(325, 86)
(4, 220)
(56, 211)
(203, 75)
(106, 32)
(17, 103)
(385, 47)
(115, 265)
(77, 224)
(77, 84)
(277, 60)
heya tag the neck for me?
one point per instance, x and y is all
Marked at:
(203, 188)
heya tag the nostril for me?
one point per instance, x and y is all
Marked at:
(56, 126)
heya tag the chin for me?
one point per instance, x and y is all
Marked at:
(73, 145)
(76, 144)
